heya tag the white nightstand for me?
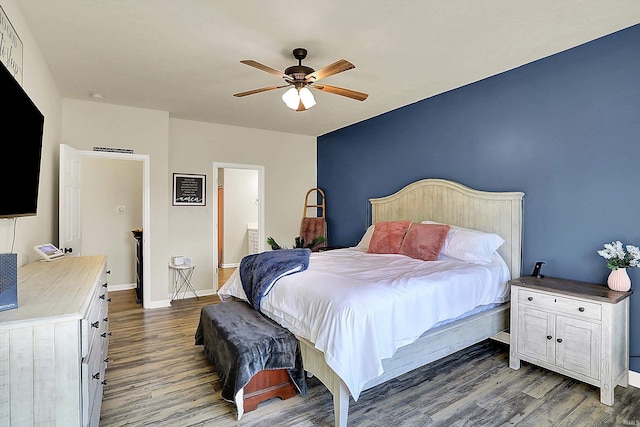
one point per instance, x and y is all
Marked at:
(574, 328)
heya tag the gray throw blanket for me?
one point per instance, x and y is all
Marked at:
(240, 342)
(258, 272)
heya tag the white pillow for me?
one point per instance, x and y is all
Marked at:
(470, 245)
(366, 238)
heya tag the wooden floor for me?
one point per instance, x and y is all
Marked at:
(158, 377)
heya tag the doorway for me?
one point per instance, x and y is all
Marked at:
(237, 186)
(70, 212)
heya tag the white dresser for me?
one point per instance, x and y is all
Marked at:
(53, 347)
(574, 328)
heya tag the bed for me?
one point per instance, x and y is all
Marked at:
(352, 340)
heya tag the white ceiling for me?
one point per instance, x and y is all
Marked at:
(184, 56)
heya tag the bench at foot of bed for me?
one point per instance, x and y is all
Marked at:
(256, 358)
(266, 385)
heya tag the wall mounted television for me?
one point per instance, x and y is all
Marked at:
(21, 128)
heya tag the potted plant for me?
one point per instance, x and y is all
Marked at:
(618, 260)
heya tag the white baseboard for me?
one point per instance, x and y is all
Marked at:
(634, 379)
(231, 265)
(123, 287)
(189, 294)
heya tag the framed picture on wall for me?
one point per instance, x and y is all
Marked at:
(189, 189)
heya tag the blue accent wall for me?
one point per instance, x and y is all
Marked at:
(564, 129)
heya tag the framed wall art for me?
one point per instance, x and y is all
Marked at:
(11, 47)
(189, 189)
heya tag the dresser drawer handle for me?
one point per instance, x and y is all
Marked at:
(530, 298)
(549, 337)
(102, 296)
(95, 324)
(96, 376)
(104, 382)
(559, 340)
(104, 335)
(581, 309)
(104, 286)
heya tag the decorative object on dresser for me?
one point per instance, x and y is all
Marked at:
(54, 346)
(574, 328)
(8, 281)
(618, 260)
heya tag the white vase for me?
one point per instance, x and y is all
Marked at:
(619, 280)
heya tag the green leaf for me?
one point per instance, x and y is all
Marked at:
(272, 242)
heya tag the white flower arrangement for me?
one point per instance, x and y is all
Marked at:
(617, 258)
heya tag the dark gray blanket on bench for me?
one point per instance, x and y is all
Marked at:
(240, 342)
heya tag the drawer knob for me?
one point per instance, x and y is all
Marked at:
(530, 298)
(559, 340)
(104, 286)
(104, 382)
(103, 296)
(106, 319)
(581, 309)
(96, 376)
(104, 335)
(549, 337)
(95, 324)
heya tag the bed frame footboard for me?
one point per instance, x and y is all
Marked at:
(314, 363)
(431, 346)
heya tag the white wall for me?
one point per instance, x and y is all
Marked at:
(290, 170)
(42, 90)
(87, 124)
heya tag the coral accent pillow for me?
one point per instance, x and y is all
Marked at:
(424, 241)
(387, 237)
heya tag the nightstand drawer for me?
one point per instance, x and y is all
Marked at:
(569, 306)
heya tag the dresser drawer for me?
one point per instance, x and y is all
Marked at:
(92, 326)
(565, 305)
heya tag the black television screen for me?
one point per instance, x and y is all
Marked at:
(21, 127)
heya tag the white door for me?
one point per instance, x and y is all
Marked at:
(70, 203)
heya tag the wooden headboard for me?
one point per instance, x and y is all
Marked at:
(453, 203)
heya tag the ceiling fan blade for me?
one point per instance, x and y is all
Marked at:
(262, 89)
(329, 70)
(340, 91)
(263, 67)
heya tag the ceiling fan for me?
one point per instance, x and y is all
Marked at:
(301, 78)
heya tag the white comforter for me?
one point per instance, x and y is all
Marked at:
(359, 308)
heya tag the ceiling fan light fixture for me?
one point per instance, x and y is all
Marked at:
(294, 96)
(307, 98)
(299, 78)
(291, 98)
